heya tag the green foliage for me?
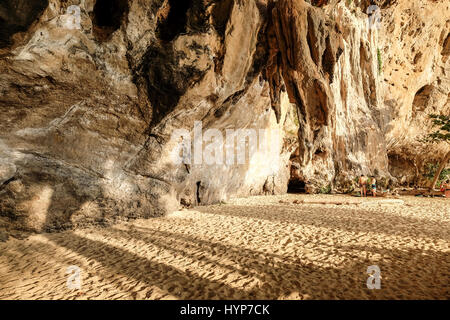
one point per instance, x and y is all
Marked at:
(380, 61)
(442, 133)
(325, 189)
(430, 171)
(445, 174)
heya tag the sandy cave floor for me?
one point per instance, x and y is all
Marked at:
(256, 248)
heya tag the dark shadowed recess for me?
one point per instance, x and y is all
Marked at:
(400, 166)
(187, 16)
(18, 16)
(446, 46)
(296, 186)
(319, 3)
(221, 14)
(176, 20)
(160, 72)
(165, 81)
(108, 16)
(422, 98)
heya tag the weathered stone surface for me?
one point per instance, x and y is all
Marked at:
(328, 67)
(88, 109)
(17, 16)
(416, 75)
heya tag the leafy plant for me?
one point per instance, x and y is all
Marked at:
(441, 133)
(430, 172)
(380, 61)
(445, 174)
(325, 189)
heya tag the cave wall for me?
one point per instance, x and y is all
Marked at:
(17, 16)
(329, 67)
(89, 110)
(416, 73)
(89, 105)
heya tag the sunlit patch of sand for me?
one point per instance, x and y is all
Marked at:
(254, 248)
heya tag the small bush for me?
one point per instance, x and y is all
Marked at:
(325, 189)
(430, 171)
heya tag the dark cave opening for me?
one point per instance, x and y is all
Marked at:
(422, 98)
(108, 16)
(296, 186)
(403, 169)
(320, 154)
(221, 14)
(175, 21)
(328, 59)
(199, 185)
(296, 183)
(17, 16)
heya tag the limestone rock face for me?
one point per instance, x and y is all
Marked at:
(92, 93)
(414, 45)
(329, 67)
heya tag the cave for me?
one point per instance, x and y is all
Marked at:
(17, 16)
(403, 169)
(108, 16)
(175, 21)
(197, 194)
(422, 98)
(296, 186)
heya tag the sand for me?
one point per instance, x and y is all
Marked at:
(255, 248)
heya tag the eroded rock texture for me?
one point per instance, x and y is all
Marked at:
(416, 73)
(88, 105)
